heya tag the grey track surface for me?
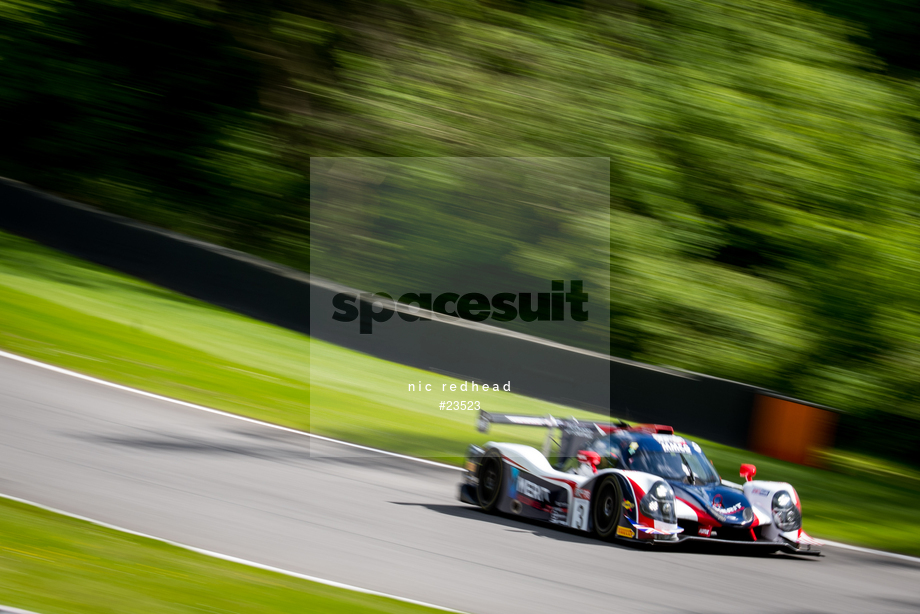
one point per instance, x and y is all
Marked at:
(377, 522)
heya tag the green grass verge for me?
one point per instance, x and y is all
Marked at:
(51, 563)
(64, 311)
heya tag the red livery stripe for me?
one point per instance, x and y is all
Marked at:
(701, 515)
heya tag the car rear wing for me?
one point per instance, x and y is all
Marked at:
(575, 433)
(486, 419)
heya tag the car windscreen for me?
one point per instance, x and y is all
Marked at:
(687, 468)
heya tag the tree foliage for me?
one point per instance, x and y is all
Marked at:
(764, 206)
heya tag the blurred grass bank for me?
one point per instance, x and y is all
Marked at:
(53, 563)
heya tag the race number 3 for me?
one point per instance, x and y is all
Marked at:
(580, 515)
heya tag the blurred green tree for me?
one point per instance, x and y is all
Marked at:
(763, 166)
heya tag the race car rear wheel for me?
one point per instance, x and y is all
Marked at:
(606, 507)
(491, 470)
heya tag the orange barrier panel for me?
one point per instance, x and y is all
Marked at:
(789, 430)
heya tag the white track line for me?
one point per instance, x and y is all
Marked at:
(102, 382)
(227, 557)
(158, 397)
(893, 555)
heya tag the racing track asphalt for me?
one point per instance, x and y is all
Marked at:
(377, 522)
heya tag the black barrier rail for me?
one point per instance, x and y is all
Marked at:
(224, 277)
(707, 407)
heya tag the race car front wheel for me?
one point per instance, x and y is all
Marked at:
(606, 507)
(490, 480)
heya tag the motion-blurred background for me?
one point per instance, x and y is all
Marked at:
(763, 154)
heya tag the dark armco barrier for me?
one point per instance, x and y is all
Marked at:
(706, 407)
(221, 276)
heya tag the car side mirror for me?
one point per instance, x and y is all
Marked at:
(748, 472)
(589, 457)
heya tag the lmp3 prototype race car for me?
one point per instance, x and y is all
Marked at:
(640, 483)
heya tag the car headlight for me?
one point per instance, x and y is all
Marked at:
(658, 503)
(786, 514)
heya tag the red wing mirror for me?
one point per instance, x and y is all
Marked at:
(748, 472)
(586, 456)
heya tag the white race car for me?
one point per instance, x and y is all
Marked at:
(636, 483)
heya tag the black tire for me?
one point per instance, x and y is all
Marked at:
(606, 507)
(489, 489)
